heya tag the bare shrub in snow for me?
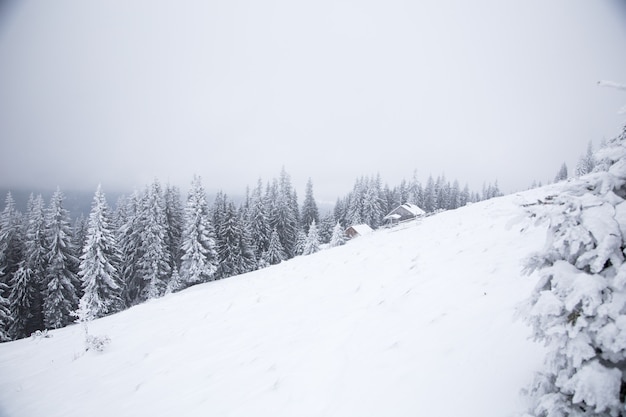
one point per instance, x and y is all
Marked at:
(578, 308)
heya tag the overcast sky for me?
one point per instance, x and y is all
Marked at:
(119, 92)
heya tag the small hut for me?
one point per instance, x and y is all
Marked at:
(358, 230)
(404, 212)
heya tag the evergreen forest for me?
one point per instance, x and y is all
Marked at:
(153, 242)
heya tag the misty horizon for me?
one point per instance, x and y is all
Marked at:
(119, 94)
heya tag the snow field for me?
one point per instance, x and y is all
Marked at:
(413, 321)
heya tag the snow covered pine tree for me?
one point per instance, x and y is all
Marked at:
(312, 242)
(99, 262)
(339, 236)
(61, 283)
(199, 259)
(578, 308)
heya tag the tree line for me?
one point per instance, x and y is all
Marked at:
(152, 243)
(585, 165)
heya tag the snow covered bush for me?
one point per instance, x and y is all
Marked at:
(84, 315)
(578, 308)
(40, 334)
(97, 343)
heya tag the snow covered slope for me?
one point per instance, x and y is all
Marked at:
(412, 321)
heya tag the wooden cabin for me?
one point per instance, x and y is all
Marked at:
(358, 230)
(404, 212)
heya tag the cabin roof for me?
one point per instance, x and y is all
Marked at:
(361, 229)
(406, 209)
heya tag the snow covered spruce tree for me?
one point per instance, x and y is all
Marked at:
(79, 232)
(367, 203)
(61, 283)
(199, 257)
(309, 212)
(248, 261)
(11, 239)
(174, 214)
(430, 195)
(99, 264)
(339, 236)
(373, 211)
(5, 314)
(233, 245)
(300, 241)
(578, 308)
(26, 299)
(129, 243)
(284, 213)
(35, 251)
(562, 175)
(258, 222)
(154, 262)
(325, 227)
(312, 242)
(275, 253)
(10, 258)
(586, 163)
(354, 208)
(23, 292)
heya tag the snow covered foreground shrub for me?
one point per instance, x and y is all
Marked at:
(97, 343)
(84, 315)
(578, 308)
(40, 334)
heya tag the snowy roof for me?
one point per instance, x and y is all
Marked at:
(407, 208)
(361, 229)
(413, 209)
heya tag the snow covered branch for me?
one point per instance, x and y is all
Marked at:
(577, 307)
(612, 84)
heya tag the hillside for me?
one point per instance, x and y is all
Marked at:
(412, 321)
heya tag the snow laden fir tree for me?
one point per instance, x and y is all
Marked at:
(199, 259)
(338, 237)
(578, 308)
(10, 255)
(26, 285)
(312, 241)
(60, 298)
(154, 263)
(99, 264)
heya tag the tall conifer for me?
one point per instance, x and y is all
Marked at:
(154, 262)
(312, 242)
(275, 253)
(60, 298)
(99, 264)
(34, 268)
(310, 212)
(11, 240)
(21, 299)
(199, 257)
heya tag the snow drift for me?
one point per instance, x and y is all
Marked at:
(416, 320)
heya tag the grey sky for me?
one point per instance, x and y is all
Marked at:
(120, 92)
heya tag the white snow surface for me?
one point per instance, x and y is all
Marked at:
(416, 320)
